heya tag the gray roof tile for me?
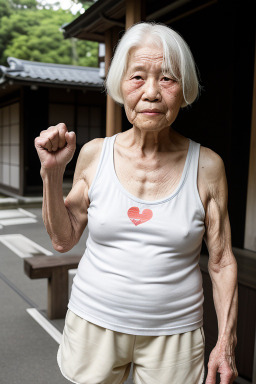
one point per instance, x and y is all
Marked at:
(32, 72)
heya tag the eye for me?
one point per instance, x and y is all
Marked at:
(137, 77)
(165, 79)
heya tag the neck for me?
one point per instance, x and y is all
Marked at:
(149, 143)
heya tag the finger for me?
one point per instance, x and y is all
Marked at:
(227, 376)
(43, 133)
(211, 376)
(62, 131)
(50, 141)
(48, 130)
(56, 135)
(71, 140)
(42, 143)
(53, 139)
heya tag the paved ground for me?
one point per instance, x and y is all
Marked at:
(28, 351)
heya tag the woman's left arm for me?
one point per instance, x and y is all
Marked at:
(222, 268)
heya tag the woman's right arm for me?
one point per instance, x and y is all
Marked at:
(64, 221)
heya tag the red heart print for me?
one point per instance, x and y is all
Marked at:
(139, 218)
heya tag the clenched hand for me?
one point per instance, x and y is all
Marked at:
(55, 147)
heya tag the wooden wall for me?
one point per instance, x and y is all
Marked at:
(36, 118)
(250, 228)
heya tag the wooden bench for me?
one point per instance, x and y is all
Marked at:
(55, 269)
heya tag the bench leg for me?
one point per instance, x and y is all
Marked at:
(57, 294)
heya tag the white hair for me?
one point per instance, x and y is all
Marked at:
(177, 59)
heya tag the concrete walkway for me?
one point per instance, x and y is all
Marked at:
(28, 351)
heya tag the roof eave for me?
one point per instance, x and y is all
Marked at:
(74, 28)
(45, 83)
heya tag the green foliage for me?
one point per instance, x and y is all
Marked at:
(86, 3)
(5, 9)
(22, 4)
(34, 34)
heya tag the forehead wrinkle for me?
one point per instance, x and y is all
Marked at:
(145, 53)
(147, 57)
(137, 65)
(139, 59)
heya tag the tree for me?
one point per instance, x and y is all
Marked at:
(5, 8)
(22, 4)
(35, 34)
(86, 3)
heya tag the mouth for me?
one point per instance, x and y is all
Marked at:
(151, 112)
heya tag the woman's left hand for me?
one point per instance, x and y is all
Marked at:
(222, 360)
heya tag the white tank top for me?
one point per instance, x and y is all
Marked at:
(139, 273)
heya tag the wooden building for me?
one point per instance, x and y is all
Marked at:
(34, 96)
(221, 35)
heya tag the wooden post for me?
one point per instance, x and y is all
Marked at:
(135, 12)
(58, 294)
(250, 222)
(108, 49)
(114, 111)
(114, 117)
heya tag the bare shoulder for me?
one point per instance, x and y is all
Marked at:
(88, 157)
(212, 177)
(211, 166)
(91, 150)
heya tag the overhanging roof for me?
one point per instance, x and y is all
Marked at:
(94, 22)
(47, 73)
(104, 14)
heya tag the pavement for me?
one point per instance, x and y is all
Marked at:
(28, 339)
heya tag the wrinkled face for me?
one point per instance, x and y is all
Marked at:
(151, 100)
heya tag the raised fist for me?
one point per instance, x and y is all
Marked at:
(55, 147)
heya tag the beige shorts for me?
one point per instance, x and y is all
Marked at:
(90, 354)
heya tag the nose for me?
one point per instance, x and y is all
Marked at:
(151, 91)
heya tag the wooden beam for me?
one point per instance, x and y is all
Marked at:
(185, 14)
(135, 12)
(250, 222)
(83, 35)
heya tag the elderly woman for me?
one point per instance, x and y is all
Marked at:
(149, 196)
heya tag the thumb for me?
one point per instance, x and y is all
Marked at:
(70, 139)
